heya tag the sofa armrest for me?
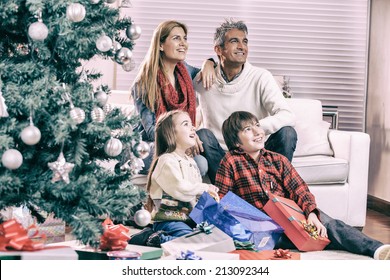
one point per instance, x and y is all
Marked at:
(355, 148)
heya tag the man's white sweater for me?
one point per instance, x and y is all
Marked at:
(254, 90)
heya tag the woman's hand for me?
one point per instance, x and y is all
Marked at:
(313, 220)
(207, 74)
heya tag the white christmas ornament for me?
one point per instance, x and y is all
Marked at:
(133, 32)
(38, 31)
(61, 169)
(113, 147)
(142, 217)
(3, 107)
(75, 12)
(104, 43)
(97, 114)
(77, 114)
(12, 159)
(30, 135)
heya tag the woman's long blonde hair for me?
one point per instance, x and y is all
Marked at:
(146, 79)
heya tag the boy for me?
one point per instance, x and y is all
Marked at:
(250, 171)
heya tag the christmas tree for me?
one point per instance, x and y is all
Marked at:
(56, 129)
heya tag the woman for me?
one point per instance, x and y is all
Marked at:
(164, 83)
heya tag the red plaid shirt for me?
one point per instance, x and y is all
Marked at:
(239, 173)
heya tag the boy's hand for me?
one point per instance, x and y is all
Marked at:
(313, 220)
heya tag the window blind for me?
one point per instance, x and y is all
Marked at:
(320, 45)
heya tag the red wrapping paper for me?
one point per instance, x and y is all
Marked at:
(115, 237)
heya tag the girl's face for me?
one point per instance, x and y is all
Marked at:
(252, 137)
(185, 132)
(175, 46)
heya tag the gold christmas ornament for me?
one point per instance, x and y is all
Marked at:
(12, 159)
(38, 31)
(75, 12)
(113, 147)
(61, 169)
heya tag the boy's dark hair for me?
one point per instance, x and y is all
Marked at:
(233, 125)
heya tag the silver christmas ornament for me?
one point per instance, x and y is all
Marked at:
(38, 31)
(77, 114)
(129, 66)
(133, 32)
(12, 159)
(104, 43)
(142, 217)
(97, 114)
(123, 56)
(107, 108)
(75, 12)
(30, 135)
(113, 147)
(61, 169)
(116, 46)
(101, 97)
(141, 150)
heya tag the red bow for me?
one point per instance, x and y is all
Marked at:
(14, 237)
(115, 237)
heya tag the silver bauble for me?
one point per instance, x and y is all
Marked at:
(133, 32)
(107, 108)
(104, 43)
(116, 46)
(30, 135)
(12, 159)
(77, 114)
(101, 97)
(142, 217)
(129, 66)
(142, 150)
(97, 114)
(113, 147)
(75, 12)
(123, 55)
(38, 31)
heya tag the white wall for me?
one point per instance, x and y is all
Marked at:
(378, 100)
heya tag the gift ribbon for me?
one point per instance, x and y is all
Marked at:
(14, 237)
(282, 254)
(189, 255)
(115, 237)
(202, 227)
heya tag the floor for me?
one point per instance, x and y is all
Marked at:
(377, 226)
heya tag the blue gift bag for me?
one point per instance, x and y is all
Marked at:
(238, 219)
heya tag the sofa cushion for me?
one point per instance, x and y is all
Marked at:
(324, 170)
(312, 138)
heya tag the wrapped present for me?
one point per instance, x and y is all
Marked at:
(239, 219)
(204, 255)
(291, 217)
(278, 254)
(214, 241)
(52, 227)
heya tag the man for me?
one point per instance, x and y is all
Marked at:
(240, 86)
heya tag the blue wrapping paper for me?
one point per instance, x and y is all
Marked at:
(238, 219)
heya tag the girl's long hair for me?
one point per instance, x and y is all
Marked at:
(146, 79)
(165, 142)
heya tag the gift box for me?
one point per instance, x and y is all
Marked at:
(239, 219)
(215, 241)
(208, 256)
(48, 253)
(267, 255)
(291, 217)
(52, 227)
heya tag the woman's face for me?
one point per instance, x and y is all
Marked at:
(175, 46)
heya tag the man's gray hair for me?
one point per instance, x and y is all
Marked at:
(229, 24)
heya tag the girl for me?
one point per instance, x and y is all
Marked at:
(174, 180)
(164, 83)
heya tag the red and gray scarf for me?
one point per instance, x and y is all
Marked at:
(170, 99)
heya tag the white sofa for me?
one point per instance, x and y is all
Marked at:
(334, 163)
